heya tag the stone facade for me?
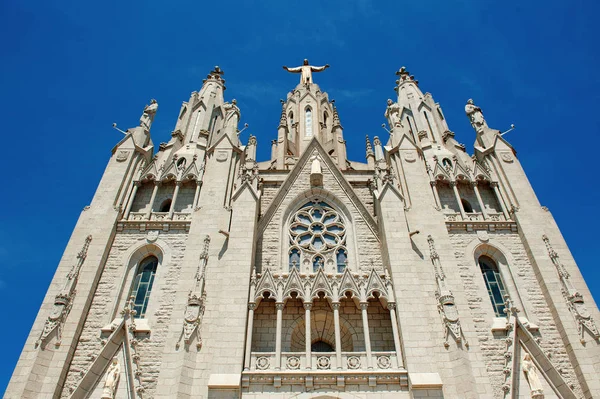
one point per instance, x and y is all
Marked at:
(424, 272)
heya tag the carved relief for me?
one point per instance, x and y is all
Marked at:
(113, 374)
(573, 297)
(446, 306)
(196, 302)
(64, 300)
(122, 155)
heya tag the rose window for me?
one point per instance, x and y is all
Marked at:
(317, 238)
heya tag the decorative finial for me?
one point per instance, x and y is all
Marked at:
(405, 76)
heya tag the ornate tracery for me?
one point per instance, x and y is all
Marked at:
(317, 238)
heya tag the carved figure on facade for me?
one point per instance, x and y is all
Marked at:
(194, 310)
(531, 373)
(475, 115)
(232, 114)
(392, 113)
(148, 115)
(113, 374)
(446, 305)
(306, 71)
(573, 297)
(64, 299)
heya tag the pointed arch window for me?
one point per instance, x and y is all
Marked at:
(142, 285)
(308, 122)
(493, 283)
(466, 205)
(317, 238)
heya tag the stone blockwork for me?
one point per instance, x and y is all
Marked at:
(493, 344)
(104, 307)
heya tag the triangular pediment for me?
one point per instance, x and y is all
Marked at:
(480, 173)
(321, 284)
(223, 142)
(347, 194)
(150, 172)
(294, 284)
(348, 283)
(460, 172)
(375, 284)
(266, 284)
(440, 173)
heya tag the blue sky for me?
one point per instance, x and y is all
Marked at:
(70, 69)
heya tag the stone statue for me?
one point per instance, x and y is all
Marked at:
(537, 390)
(232, 114)
(148, 115)
(392, 113)
(306, 71)
(475, 115)
(112, 380)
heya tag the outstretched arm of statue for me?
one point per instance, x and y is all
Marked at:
(293, 70)
(319, 69)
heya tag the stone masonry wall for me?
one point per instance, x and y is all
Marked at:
(492, 344)
(160, 307)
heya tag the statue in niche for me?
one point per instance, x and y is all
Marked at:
(475, 115)
(148, 115)
(537, 390)
(306, 71)
(232, 114)
(392, 113)
(113, 374)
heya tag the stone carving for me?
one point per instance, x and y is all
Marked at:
(122, 155)
(507, 157)
(64, 300)
(392, 113)
(128, 314)
(293, 362)
(323, 363)
(222, 156)
(196, 300)
(232, 114)
(262, 363)
(384, 362)
(535, 384)
(306, 71)
(446, 306)
(353, 362)
(148, 116)
(573, 297)
(113, 374)
(475, 115)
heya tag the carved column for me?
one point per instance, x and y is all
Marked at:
(338, 335)
(365, 322)
(457, 195)
(131, 199)
(392, 308)
(251, 307)
(500, 200)
(279, 307)
(154, 191)
(175, 194)
(478, 195)
(196, 194)
(307, 337)
(436, 195)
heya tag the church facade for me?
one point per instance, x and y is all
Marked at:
(424, 272)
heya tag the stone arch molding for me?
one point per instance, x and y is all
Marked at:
(493, 248)
(131, 259)
(335, 203)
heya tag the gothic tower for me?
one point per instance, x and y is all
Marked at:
(199, 272)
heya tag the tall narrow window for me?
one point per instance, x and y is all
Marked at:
(142, 285)
(494, 284)
(429, 125)
(325, 118)
(308, 123)
(466, 205)
(291, 118)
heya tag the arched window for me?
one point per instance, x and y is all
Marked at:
(493, 283)
(166, 205)
(466, 205)
(317, 238)
(447, 163)
(291, 118)
(325, 118)
(321, 346)
(308, 122)
(142, 285)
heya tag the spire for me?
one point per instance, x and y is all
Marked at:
(370, 154)
(283, 117)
